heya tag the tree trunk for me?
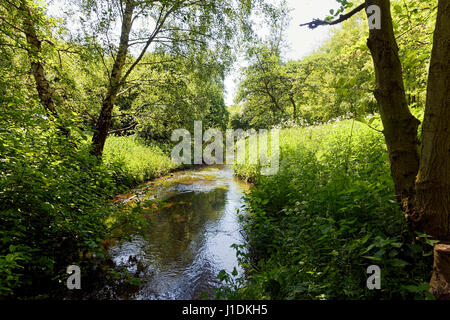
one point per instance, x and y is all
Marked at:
(37, 69)
(292, 99)
(104, 120)
(43, 88)
(433, 180)
(423, 187)
(294, 107)
(400, 126)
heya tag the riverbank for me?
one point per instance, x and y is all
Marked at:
(192, 227)
(55, 210)
(328, 214)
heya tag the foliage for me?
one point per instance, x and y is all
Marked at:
(135, 162)
(262, 88)
(53, 193)
(312, 229)
(329, 213)
(171, 93)
(52, 197)
(337, 80)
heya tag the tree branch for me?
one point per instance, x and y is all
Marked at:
(317, 22)
(123, 129)
(159, 24)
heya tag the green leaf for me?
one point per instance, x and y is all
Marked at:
(397, 262)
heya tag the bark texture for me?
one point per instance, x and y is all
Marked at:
(104, 120)
(433, 180)
(422, 183)
(400, 126)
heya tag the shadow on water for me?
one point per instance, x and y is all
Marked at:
(190, 238)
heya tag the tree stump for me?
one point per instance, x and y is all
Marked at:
(440, 281)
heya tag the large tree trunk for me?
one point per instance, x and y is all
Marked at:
(423, 187)
(104, 120)
(433, 180)
(400, 126)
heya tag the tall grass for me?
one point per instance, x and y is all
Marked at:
(327, 215)
(134, 161)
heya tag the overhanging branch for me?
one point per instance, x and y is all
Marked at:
(317, 22)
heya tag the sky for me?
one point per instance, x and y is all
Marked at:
(301, 40)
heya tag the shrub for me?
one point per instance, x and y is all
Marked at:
(52, 195)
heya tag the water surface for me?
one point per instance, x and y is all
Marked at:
(191, 236)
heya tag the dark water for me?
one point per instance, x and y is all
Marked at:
(190, 239)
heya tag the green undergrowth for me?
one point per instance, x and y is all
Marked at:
(55, 201)
(328, 214)
(134, 161)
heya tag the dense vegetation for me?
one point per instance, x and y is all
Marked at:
(336, 81)
(330, 212)
(59, 84)
(135, 161)
(54, 211)
(90, 97)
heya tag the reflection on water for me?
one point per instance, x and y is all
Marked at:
(189, 242)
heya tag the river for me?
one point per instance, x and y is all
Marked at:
(190, 239)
